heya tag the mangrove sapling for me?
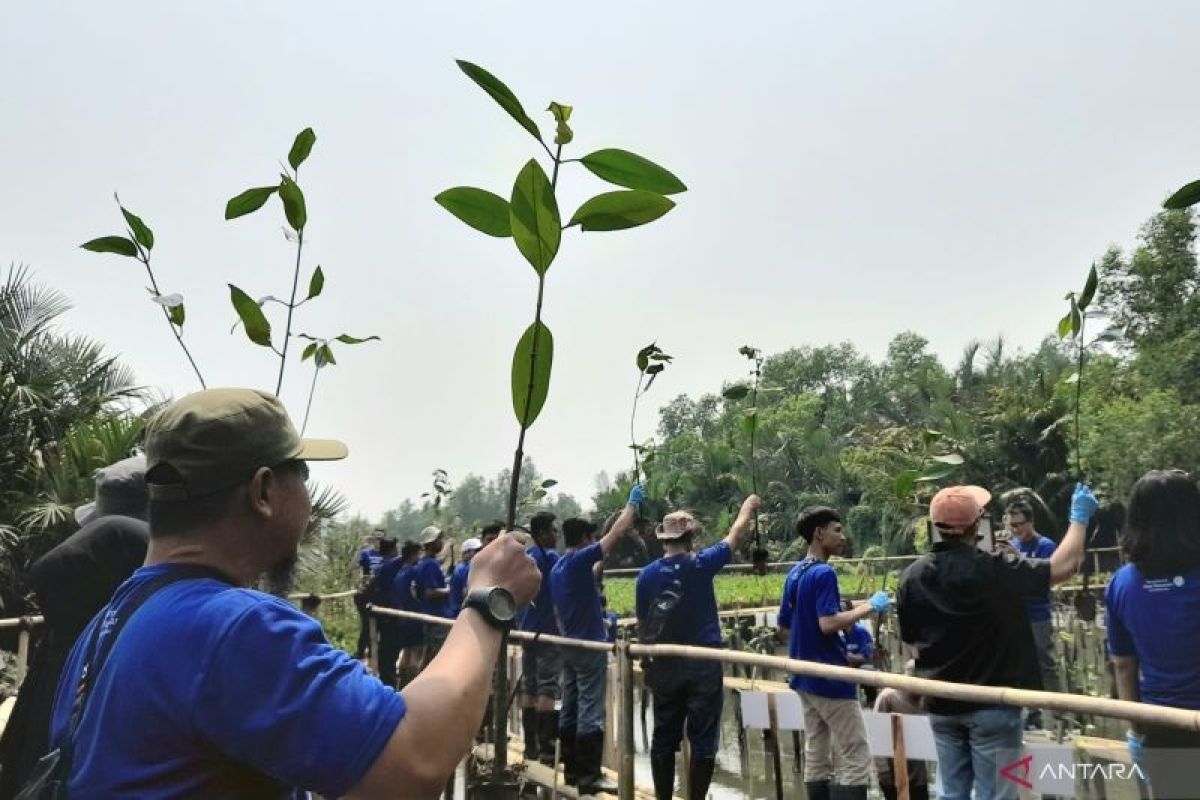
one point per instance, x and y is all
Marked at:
(531, 218)
(739, 391)
(1072, 326)
(250, 312)
(137, 244)
(651, 361)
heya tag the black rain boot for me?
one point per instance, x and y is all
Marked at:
(589, 749)
(529, 724)
(663, 770)
(817, 790)
(570, 758)
(699, 777)
(839, 792)
(547, 734)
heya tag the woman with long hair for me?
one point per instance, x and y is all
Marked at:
(1153, 623)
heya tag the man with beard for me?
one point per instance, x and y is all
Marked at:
(71, 583)
(190, 684)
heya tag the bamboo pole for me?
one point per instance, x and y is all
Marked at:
(19, 622)
(899, 758)
(625, 741)
(990, 695)
(22, 654)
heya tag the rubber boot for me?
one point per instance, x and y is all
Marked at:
(529, 724)
(817, 790)
(699, 777)
(547, 734)
(663, 770)
(839, 792)
(589, 749)
(570, 759)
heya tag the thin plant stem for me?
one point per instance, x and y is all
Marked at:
(637, 468)
(754, 449)
(312, 390)
(291, 306)
(519, 454)
(1079, 399)
(145, 259)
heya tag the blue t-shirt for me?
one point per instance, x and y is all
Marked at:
(430, 576)
(458, 587)
(379, 590)
(1038, 546)
(811, 592)
(403, 594)
(694, 621)
(574, 595)
(369, 559)
(859, 641)
(539, 616)
(219, 692)
(1158, 622)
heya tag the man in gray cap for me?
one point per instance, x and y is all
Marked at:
(191, 684)
(71, 583)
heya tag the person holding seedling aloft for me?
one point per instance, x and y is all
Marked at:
(837, 760)
(676, 604)
(580, 616)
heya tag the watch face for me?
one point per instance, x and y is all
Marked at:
(502, 605)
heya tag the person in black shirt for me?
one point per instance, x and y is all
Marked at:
(964, 610)
(72, 583)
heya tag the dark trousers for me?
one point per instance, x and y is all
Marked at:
(389, 649)
(364, 625)
(687, 695)
(1170, 762)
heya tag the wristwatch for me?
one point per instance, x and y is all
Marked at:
(495, 604)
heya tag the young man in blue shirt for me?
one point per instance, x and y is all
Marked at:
(458, 578)
(837, 761)
(433, 593)
(577, 609)
(964, 610)
(676, 604)
(211, 689)
(541, 662)
(379, 592)
(369, 560)
(1031, 544)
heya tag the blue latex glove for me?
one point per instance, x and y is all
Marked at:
(880, 602)
(1136, 743)
(1083, 504)
(636, 495)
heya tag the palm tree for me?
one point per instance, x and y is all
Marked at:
(65, 410)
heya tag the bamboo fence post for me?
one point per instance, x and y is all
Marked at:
(625, 723)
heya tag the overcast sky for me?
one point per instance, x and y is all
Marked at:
(855, 169)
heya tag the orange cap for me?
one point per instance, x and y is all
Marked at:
(958, 507)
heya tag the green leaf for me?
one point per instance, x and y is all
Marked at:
(1089, 289)
(177, 315)
(562, 132)
(301, 147)
(614, 211)
(482, 210)
(1064, 326)
(1072, 379)
(935, 474)
(736, 392)
(501, 94)
(248, 201)
(548, 483)
(346, 338)
(529, 374)
(948, 458)
(141, 231)
(748, 351)
(309, 351)
(112, 244)
(316, 283)
(1076, 318)
(653, 370)
(905, 482)
(293, 203)
(258, 329)
(643, 356)
(533, 215)
(1184, 198)
(632, 171)
(324, 356)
